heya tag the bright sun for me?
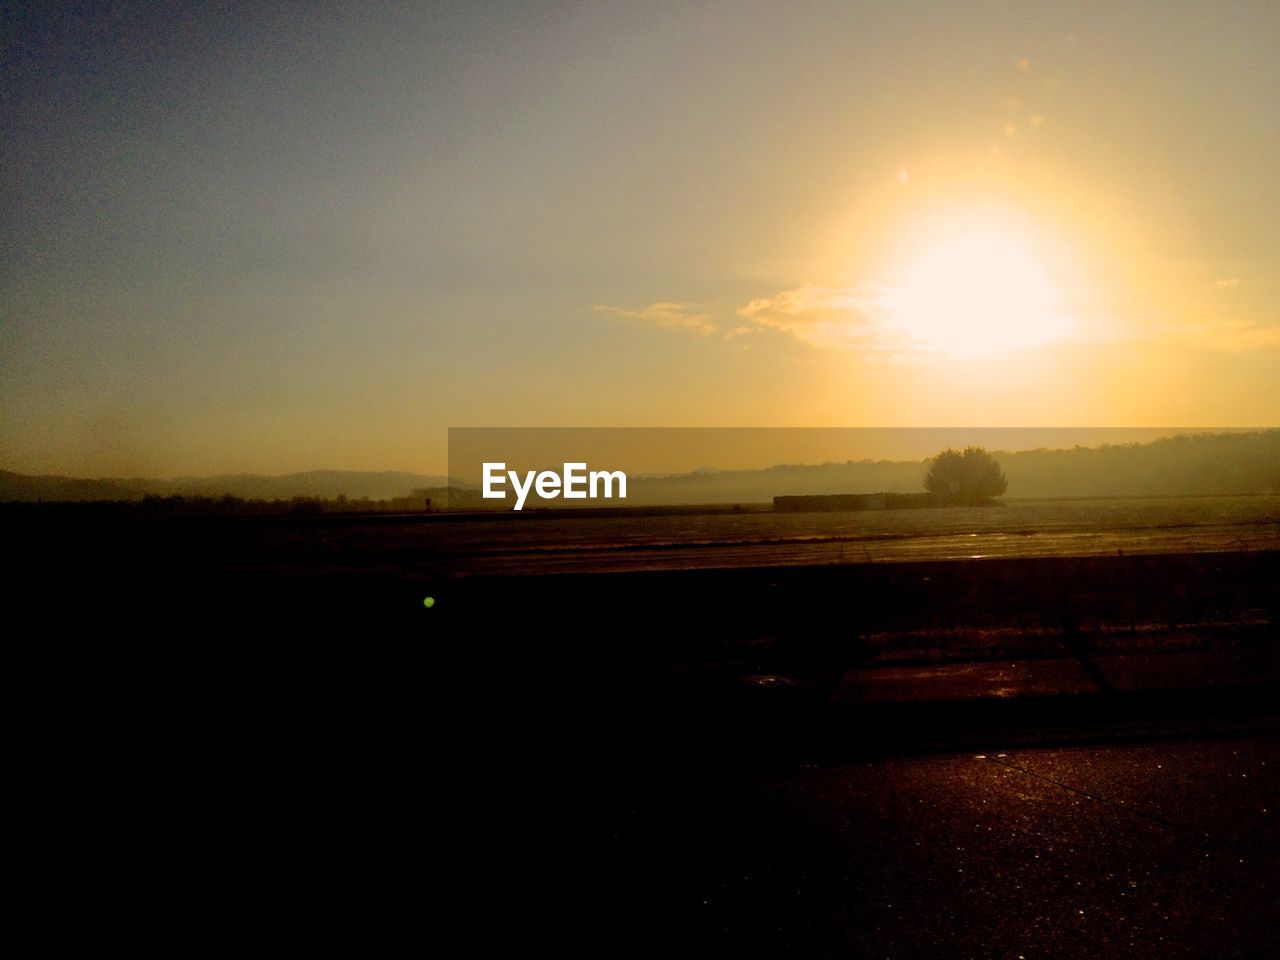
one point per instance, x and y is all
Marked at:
(974, 294)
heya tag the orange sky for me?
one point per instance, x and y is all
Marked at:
(239, 241)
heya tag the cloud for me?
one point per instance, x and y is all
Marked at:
(853, 317)
(675, 316)
(1226, 283)
(902, 325)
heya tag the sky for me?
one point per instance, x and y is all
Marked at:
(280, 237)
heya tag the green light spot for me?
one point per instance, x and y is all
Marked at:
(429, 602)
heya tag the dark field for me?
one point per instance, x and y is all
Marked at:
(729, 734)
(952, 580)
(1027, 528)
(673, 609)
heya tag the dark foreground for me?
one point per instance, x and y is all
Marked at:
(1134, 850)
(764, 761)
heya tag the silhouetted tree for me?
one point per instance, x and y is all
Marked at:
(971, 476)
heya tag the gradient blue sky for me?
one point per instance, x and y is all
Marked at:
(276, 237)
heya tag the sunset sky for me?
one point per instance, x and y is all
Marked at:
(270, 238)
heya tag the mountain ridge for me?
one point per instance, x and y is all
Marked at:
(324, 484)
(1182, 465)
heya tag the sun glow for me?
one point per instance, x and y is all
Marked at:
(976, 293)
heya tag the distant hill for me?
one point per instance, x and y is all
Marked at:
(1184, 465)
(1188, 465)
(324, 484)
(18, 486)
